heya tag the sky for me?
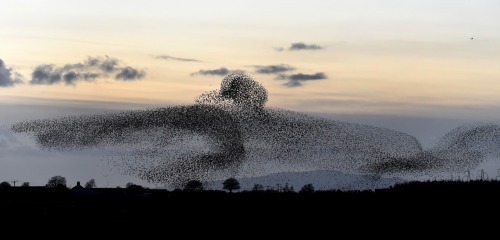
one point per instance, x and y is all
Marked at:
(421, 67)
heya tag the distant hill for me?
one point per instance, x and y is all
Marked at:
(322, 180)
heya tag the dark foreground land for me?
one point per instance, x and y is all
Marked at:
(130, 207)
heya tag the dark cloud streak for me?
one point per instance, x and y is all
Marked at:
(166, 57)
(307, 77)
(216, 72)
(295, 80)
(273, 69)
(302, 46)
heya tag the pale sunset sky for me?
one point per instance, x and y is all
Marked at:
(435, 59)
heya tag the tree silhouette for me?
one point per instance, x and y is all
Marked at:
(258, 187)
(308, 188)
(194, 185)
(56, 181)
(134, 190)
(132, 185)
(5, 185)
(287, 188)
(231, 184)
(90, 184)
(25, 184)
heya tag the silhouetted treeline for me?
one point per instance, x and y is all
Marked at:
(122, 206)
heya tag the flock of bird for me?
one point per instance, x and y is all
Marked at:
(229, 132)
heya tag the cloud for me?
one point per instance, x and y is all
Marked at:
(278, 49)
(307, 77)
(106, 64)
(166, 57)
(129, 73)
(295, 80)
(91, 69)
(292, 84)
(273, 69)
(73, 76)
(46, 75)
(216, 72)
(8, 77)
(302, 46)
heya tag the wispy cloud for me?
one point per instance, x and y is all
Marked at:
(296, 80)
(273, 69)
(8, 77)
(279, 49)
(216, 72)
(166, 57)
(91, 69)
(302, 46)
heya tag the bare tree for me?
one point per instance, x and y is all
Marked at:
(56, 181)
(90, 184)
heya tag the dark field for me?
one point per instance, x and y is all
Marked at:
(132, 207)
